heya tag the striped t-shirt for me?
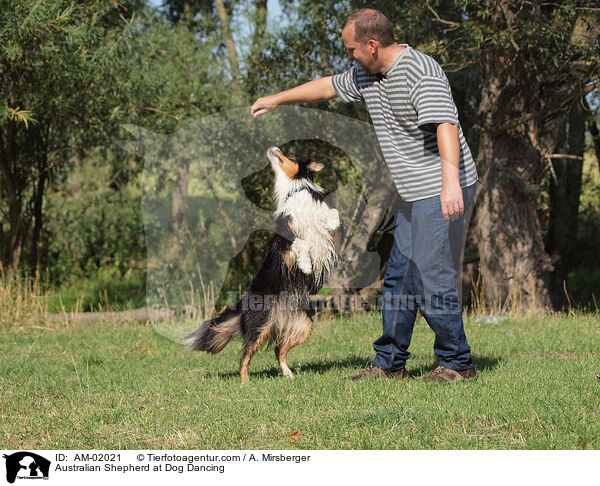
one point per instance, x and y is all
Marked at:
(405, 103)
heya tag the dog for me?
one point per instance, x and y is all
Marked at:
(300, 255)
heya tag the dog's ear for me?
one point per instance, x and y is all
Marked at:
(315, 166)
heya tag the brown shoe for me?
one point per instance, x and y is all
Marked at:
(444, 375)
(375, 372)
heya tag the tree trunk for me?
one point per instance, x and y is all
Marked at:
(38, 201)
(514, 266)
(260, 25)
(523, 109)
(188, 15)
(324, 58)
(234, 65)
(226, 220)
(12, 237)
(179, 206)
(564, 205)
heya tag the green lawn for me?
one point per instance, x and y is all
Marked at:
(110, 386)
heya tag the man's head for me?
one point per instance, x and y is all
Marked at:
(364, 32)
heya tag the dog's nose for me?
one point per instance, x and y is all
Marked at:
(273, 151)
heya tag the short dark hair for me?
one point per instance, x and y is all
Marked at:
(371, 24)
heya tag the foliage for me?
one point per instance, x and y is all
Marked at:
(93, 223)
(59, 66)
(171, 74)
(107, 288)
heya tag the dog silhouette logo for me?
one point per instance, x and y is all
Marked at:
(26, 465)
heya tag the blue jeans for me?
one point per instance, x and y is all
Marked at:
(424, 272)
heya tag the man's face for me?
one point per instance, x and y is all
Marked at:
(361, 53)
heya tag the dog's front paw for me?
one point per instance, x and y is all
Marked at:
(305, 265)
(301, 252)
(333, 220)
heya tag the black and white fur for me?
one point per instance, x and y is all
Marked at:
(300, 254)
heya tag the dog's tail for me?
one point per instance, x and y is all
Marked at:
(214, 334)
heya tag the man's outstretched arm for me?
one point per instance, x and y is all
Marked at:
(317, 90)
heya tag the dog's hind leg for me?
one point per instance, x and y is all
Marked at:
(251, 346)
(281, 353)
(297, 333)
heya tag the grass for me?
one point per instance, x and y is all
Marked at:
(110, 386)
(109, 289)
(21, 298)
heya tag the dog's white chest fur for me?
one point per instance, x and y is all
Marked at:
(312, 222)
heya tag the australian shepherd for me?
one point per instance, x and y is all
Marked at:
(274, 308)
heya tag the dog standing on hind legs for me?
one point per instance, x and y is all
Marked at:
(299, 256)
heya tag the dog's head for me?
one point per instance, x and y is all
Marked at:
(290, 167)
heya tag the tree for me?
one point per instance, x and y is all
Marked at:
(536, 59)
(59, 65)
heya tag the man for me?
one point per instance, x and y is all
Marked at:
(416, 122)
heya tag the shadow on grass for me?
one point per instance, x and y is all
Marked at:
(354, 363)
(317, 367)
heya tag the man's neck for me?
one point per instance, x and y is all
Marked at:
(388, 55)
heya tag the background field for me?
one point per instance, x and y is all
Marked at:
(120, 386)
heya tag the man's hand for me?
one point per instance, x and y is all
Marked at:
(452, 201)
(264, 105)
(316, 90)
(451, 195)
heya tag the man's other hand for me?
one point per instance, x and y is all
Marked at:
(452, 202)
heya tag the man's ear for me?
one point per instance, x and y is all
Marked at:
(373, 44)
(315, 166)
